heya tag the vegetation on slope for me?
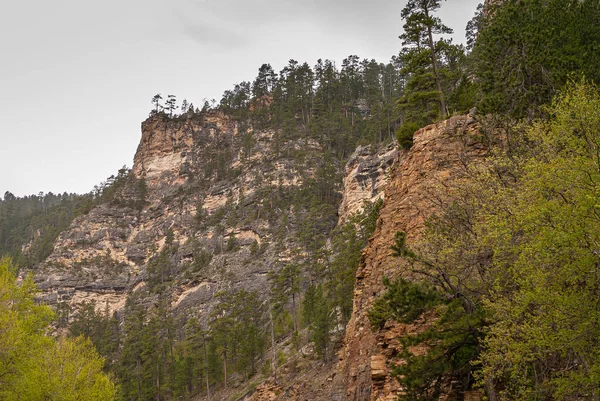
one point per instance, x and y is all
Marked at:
(510, 264)
(35, 366)
(29, 225)
(513, 265)
(508, 268)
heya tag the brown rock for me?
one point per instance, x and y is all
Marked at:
(378, 368)
(473, 395)
(436, 159)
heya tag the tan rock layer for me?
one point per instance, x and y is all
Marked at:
(366, 174)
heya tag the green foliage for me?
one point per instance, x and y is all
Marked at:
(318, 314)
(513, 257)
(404, 301)
(404, 134)
(285, 287)
(329, 304)
(338, 108)
(215, 218)
(231, 243)
(35, 366)
(160, 269)
(526, 50)
(254, 248)
(430, 65)
(545, 306)
(202, 259)
(400, 249)
(71, 371)
(452, 342)
(30, 225)
(36, 220)
(348, 242)
(147, 361)
(99, 327)
(237, 331)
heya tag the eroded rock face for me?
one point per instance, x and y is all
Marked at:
(207, 164)
(168, 150)
(417, 180)
(436, 158)
(209, 185)
(187, 166)
(366, 173)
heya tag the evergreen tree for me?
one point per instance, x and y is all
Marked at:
(265, 81)
(156, 102)
(419, 30)
(526, 50)
(35, 366)
(285, 286)
(171, 104)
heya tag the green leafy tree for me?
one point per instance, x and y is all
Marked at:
(71, 371)
(512, 256)
(35, 366)
(547, 305)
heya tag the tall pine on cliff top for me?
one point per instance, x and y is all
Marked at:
(419, 28)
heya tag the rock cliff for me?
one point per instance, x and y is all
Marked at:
(419, 179)
(436, 159)
(219, 192)
(366, 173)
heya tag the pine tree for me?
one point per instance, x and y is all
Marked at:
(285, 286)
(156, 102)
(526, 50)
(171, 104)
(419, 29)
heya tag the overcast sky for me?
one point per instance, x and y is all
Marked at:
(76, 76)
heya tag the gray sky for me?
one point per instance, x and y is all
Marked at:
(76, 76)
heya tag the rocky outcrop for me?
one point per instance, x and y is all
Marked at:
(213, 188)
(419, 179)
(214, 191)
(437, 158)
(168, 148)
(366, 173)
(183, 167)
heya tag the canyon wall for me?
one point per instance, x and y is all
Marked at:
(438, 157)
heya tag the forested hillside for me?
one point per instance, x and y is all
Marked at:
(224, 264)
(29, 225)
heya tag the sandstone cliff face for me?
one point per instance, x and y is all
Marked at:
(168, 148)
(210, 184)
(437, 158)
(416, 183)
(231, 175)
(186, 166)
(366, 173)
